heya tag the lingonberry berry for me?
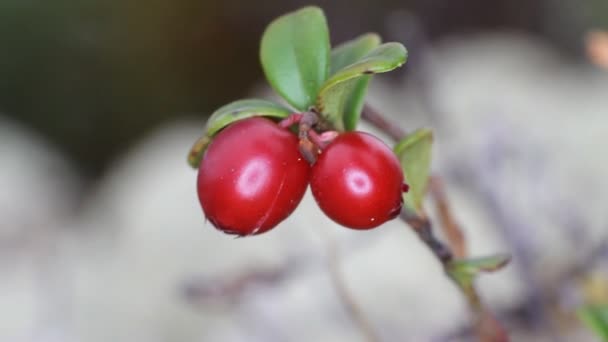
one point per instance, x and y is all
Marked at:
(357, 181)
(251, 177)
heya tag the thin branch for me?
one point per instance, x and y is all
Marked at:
(451, 228)
(487, 326)
(201, 289)
(422, 226)
(372, 116)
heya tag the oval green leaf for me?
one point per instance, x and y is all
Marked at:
(335, 95)
(243, 109)
(344, 55)
(464, 271)
(473, 266)
(352, 51)
(414, 152)
(295, 54)
(224, 116)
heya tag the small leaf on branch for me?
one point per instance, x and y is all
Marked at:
(243, 109)
(464, 271)
(196, 152)
(595, 317)
(414, 152)
(483, 264)
(224, 116)
(344, 55)
(334, 98)
(352, 51)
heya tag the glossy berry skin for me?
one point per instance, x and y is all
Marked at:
(357, 181)
(251, 177)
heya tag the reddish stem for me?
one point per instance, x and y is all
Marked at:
(323, 139)
(292, 119)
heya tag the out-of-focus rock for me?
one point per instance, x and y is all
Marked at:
(39, 193)
(38, 185)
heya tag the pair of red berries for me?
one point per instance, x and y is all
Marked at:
(253, 176)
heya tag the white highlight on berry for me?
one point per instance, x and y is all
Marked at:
(359, 182)
(253, 177)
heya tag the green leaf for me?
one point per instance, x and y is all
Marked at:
(224, 116)
(295, 55)
(243, 109)
(334, 96)
(354, 103)
(473, 266)
(197, 150)
(344, 55)
(595, 317)
(352, 51)
(464, 271)
(414, 152)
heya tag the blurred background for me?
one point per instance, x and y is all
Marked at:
(102, 237)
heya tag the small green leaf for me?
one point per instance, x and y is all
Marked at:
(414, 152)
(464, 271)
(295, 53)
(352, 51)
(196, 152)
(335, 95)
(383, 58)
(473, 266)
(354, 103)
(243, 109)
(344, 55)
(595, 317)
(224, 116)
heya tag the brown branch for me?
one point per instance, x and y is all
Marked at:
(451, 228)
(487, 326)
(372, 116)
(424, 229)
(199, 290)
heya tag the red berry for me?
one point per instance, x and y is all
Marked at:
(357, 181)
(252, 177)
